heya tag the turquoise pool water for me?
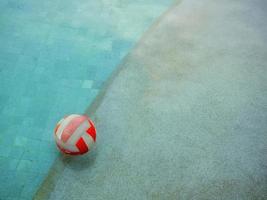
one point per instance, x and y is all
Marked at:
(54, 58)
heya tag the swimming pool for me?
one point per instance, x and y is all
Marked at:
(54, 58)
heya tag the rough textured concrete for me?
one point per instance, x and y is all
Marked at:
(185, 118)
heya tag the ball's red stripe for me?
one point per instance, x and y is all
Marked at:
(91, 131)
(81, 145)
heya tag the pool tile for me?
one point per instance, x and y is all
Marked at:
(20, 141)
(25, 165)
(87, 84)
(16, 152)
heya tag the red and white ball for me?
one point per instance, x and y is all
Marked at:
(75, 134)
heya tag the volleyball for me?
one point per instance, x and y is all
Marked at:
(75, 134)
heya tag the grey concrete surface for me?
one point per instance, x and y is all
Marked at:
(186, 116)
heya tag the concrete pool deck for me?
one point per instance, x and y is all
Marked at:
(185, 116)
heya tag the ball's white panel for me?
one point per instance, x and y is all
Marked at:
(64, 123)
(78, 133)
(88, 140)
(60, 121)
(65, 146)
